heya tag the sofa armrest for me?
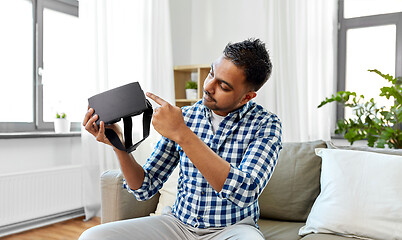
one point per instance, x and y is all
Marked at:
(117, 203)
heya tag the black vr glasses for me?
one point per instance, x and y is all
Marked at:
(122, 103)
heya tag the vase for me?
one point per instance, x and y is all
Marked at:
(61, 125)
(191, 94)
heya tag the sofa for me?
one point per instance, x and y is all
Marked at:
(287, 201)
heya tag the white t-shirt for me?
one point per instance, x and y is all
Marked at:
(216, 120)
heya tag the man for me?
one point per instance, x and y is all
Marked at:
(225, 145)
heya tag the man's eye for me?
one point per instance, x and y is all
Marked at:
(223, 87)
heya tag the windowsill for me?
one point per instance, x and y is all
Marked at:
(38, 135)
(339, 140)
(337, 136)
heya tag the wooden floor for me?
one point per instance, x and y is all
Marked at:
(68, 230)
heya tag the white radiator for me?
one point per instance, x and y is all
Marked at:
(31, 195)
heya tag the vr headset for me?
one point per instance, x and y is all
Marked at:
(122, 103)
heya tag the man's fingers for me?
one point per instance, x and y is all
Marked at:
(157, 99)
(89, 126)
(95, 127)
(101, 130)
(87, 116)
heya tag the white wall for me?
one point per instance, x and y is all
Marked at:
(19, 155)
(201, 29)
(180, 16)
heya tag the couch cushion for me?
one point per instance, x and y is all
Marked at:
(295, 183)
(118, 203)
(279, 230)
(323, 236)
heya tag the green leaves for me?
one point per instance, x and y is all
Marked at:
(191, 85)
(63, 115)
(372, 122)
(387, 77)
(340, 97)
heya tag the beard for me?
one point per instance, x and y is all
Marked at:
(209, 101)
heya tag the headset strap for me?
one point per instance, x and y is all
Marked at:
(128, 127)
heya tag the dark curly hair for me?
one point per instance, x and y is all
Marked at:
(252, 56)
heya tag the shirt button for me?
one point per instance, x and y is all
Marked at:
(202, 193)
(198, 218)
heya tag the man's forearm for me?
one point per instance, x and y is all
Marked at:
(132, 171)
(214, 169)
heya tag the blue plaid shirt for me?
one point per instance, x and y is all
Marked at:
(248, 138)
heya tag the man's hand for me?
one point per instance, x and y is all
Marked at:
(168, 120)
(99, 132)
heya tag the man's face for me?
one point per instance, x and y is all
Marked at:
(225, 87)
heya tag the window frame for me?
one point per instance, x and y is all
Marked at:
(65, 6)
(362, 22)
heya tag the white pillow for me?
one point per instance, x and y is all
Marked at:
(361, 195)
(168, 192)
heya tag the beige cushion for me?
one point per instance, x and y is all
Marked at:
(295, 183)
(118, 203)
(277, 230)
(323, 236)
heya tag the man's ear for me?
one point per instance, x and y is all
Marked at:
(250, 95)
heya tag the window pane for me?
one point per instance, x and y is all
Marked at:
(369, 48)
(16, 61)
(62, 91)
(359, 8)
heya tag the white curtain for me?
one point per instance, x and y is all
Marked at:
(301, 37)
(125, 41)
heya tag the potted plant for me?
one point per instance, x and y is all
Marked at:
(61, 124)
(379, 125)
(191, 90)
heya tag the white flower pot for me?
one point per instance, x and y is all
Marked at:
(61, 125)
(191, 94)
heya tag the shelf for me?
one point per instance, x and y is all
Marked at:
(182, 74)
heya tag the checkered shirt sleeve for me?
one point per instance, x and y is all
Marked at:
(157, 169)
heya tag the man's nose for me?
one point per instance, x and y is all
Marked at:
(210, 85)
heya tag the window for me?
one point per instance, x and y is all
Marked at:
(39, 47)
(16, 62)
(370, 37)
